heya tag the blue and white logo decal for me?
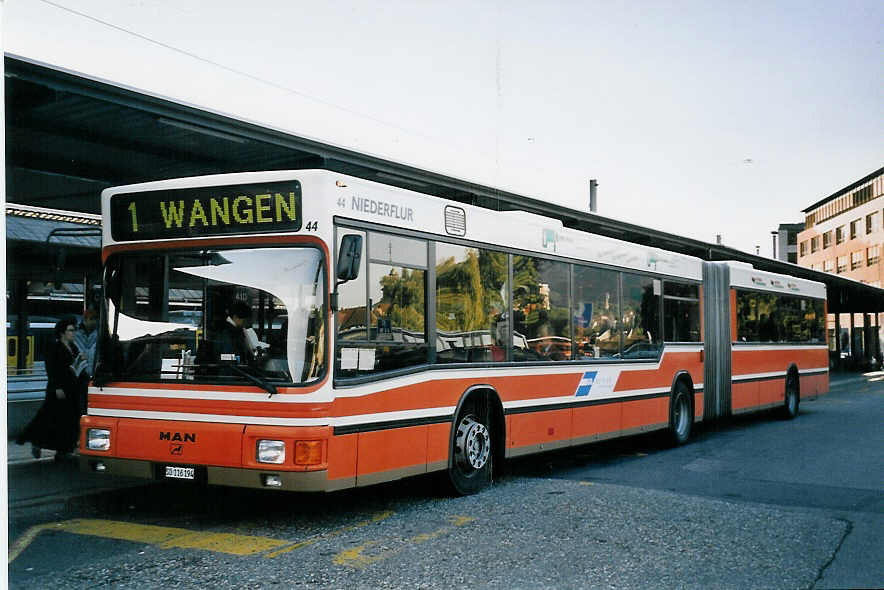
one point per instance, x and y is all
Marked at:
(586, 383)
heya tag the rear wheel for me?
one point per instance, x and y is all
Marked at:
(681, 417)
(792, 398)
(471, 455)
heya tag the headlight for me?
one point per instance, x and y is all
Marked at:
(271, 451)
(97, 439)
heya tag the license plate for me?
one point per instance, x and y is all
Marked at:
(180, 472)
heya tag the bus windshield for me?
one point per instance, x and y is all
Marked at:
(224, 316)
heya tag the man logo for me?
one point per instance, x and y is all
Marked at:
(178, 437)
(176, 449)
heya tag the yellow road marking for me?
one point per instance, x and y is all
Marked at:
(356, 557)
(586, 483)
(376, 518)
(460, 520)
(172, 537)
(27, 538)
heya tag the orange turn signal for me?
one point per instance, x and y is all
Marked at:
(308, 452)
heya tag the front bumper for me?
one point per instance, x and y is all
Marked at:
(296, 481)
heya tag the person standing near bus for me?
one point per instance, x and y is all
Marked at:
(56, 424)
(85, 339)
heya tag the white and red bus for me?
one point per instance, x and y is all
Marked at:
(307, 330)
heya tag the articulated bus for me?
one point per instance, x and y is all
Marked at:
(307, 330)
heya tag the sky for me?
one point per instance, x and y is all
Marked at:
(697, 118)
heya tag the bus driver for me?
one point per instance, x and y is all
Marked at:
(232, 342)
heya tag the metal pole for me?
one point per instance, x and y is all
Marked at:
(21, 327)
(878, 339)
(838, 341)
(852, 343)
(593, 194)
(866, 337)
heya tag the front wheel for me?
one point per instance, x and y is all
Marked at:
(681, 417)
(792, 398)
(471, 455)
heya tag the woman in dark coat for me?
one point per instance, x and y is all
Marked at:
(56, 425)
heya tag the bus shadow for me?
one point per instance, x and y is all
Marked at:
(173, 504)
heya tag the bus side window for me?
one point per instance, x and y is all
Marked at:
(381, 317)
(471, 295)
(541, 300)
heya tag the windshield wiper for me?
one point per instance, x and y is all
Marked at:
(268, 387)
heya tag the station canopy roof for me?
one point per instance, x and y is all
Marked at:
(68, 137)
(39, 227)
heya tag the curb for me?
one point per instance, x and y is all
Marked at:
(48, 456)
(854, 379)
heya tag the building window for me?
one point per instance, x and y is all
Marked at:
(862, 195)
(839, 234)
(791, 238)
(792, 257)
(873, 255)
(827, 239)
(829, 265)
(814, 244)
(856, 260)
(842, 264)
(872, 224)
(854, 228)
(803, 247)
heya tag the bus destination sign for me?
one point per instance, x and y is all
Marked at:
(206, 211)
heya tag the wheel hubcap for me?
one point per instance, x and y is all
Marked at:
(473, 444)
(681, 416)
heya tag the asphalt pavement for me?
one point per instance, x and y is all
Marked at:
(599, 516)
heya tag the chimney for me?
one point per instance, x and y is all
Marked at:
(718, 239)
(593, 190)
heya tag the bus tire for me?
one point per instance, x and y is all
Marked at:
(681, 414)
(792, 398)
(472, 451)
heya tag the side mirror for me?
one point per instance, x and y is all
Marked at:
(349, 257)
